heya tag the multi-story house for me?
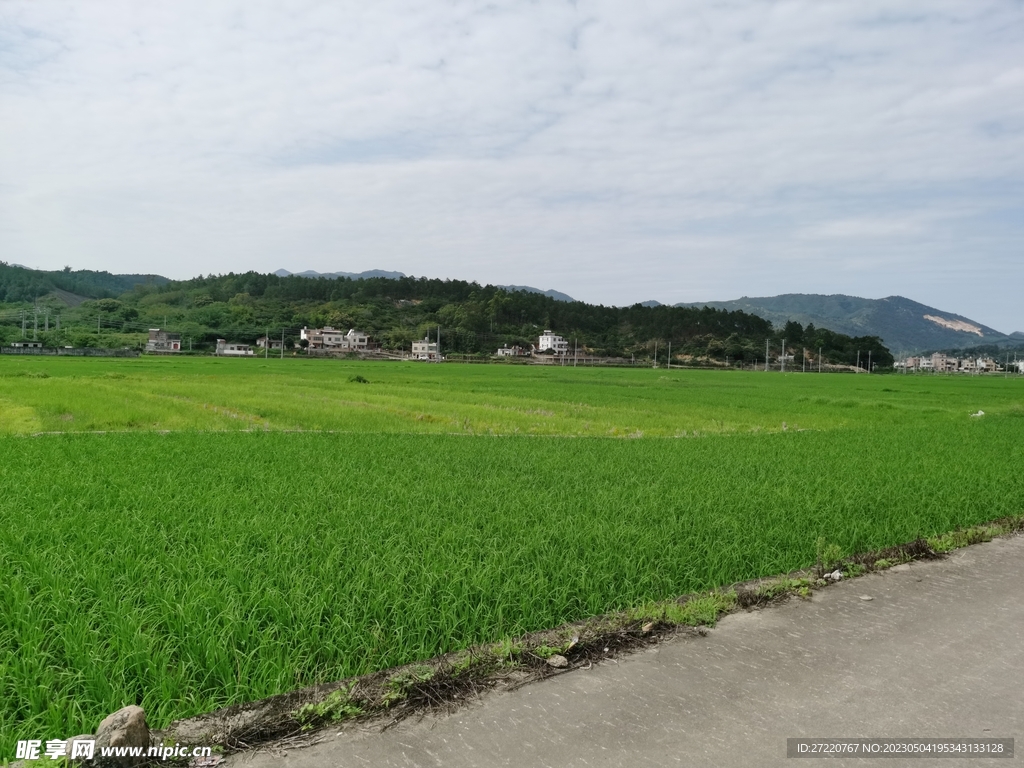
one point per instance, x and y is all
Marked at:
(425, 350)
(162, 341)
(554, 342)
(330, 339)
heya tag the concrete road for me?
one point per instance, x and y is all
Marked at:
(937, 652)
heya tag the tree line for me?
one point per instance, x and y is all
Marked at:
(475, 319)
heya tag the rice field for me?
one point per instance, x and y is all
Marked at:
(239, 530)
(205, 394)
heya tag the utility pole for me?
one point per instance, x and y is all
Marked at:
(869, 361)
(266, 343)
(47, 327)
(23, 323)
(655, 353)
(282, 343)
(576, 352)
(98, 326)
(766, 355)
(858, 359)
(819, 359)
(782, 368)
(670, 356)
(439, 342)
(35, 324)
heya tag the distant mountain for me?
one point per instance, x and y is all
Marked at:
(902, 324)
(333, 275)
(651, 303)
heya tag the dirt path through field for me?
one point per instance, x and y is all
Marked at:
(938, 651)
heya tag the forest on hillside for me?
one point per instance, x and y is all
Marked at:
(474, 319)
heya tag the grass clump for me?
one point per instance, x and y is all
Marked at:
(828, 556)
(702, 611)
(547, 651)
(398, 686)
(975, 534)
(339, 705)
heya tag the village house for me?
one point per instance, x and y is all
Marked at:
(943, 364)
(515, 351)
(232, 349)
(425, 350)
(262, 342)
(550, 340)
(328, 339)
(27, 344)
(162, 341)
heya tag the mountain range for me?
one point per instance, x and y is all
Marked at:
(904, 325)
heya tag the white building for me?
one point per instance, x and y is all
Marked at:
(331, 339)
(425, 350)
(516, 351)
(550, 340)
(263, 341)
(231, 349)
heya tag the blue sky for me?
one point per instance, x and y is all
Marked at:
(614, 151)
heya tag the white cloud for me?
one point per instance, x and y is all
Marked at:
(632, 150)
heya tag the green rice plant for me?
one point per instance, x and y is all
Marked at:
(232, 559)
(235, 395)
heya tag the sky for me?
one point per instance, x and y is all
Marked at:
(615, 151)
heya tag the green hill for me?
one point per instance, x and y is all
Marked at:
(18, 284)
(475, 320)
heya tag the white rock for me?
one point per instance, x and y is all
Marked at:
(866, 597)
